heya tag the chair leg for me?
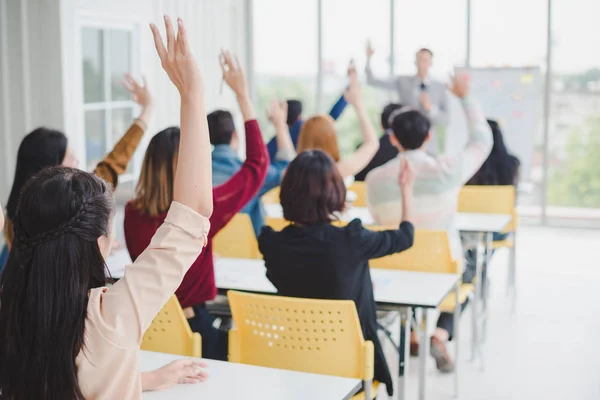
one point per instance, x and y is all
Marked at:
(513, 274)
(473, 327)
(368, 386)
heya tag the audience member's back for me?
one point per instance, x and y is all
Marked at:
(501, 167)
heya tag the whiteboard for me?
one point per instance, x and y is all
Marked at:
(512, 96)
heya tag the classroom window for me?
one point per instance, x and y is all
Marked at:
(574, 142)
(285, 56)
(107, 107)
(342, 42)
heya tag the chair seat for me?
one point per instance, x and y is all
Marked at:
(361, 395)
(508, 242)
(449, 303)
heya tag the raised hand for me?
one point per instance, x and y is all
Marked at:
(370, 50)
(277, 114)
(459, 86)
(233, 74)
(353, 93)
(176, 372)
(139, 93)
(406, 176)
(178, 61)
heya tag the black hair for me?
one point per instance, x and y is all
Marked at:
(220, 127)
(294, 111)
(385, 114)
(54, 262)
(500, 168)
(411, 129)
(39, 149)
(425, 50)
(312, 189)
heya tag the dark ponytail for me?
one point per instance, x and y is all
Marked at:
(44, 288)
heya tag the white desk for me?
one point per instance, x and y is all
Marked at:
(394, 290)
(239, 381)
(362, 213)
(481, 223)
(116, 263)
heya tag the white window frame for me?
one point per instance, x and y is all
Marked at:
(106, 25)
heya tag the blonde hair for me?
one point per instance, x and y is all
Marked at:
(154, 191)
(319, 132)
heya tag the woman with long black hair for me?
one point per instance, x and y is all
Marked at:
(63, 333)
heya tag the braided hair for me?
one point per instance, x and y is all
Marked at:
(44, 288)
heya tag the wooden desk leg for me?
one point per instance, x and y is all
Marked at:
(423, 354)
(404, 351)
(475, 345)
(456, 339)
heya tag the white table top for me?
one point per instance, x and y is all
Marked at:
(239, 381)
(116, 263)
(481, 223)
(391, 287)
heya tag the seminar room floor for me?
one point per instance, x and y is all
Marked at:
(549, 349)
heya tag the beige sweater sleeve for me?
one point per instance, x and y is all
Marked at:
(123, 312)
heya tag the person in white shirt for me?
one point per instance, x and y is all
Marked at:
(437, 185)
(419, 91)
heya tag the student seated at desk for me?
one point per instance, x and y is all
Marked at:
(500, 168)
(319, 132)
(154, 194)
(294, 122)
(45, 147)
(312, 258)
(63, 333)
(226, 161)
(386, 151)
(437, 185)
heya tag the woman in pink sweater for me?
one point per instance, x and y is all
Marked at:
(63, 334)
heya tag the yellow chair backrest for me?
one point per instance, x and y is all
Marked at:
(271, 197)
(277, 223)
(170, 333)
(317, 336)
(430, 253)
(360, 189)
(237, 239)
(490, 200)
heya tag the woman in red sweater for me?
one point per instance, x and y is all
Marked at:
(154, 193)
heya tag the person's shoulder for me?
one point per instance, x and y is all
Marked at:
(353, 229)
(383, 171)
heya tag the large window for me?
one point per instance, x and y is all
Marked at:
(107, 108)
(439, 25)
(285, 55)
(574, 142)
(512, 33)
(345, 34)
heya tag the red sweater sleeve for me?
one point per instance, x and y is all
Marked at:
(230, 197)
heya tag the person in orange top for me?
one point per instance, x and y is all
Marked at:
(46, 148)
(63, 333)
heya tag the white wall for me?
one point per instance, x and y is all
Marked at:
(40, 64)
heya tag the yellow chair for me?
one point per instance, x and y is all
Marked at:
(316, 336)
(360, 189)
(170, 333)
(277, 224)
(237, 239)
(271, 197)
(495, 200)
(430, 253)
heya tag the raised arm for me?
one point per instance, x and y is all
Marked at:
(234, 194)
(125, 310)
(389, 83)
(115, 163)
(464, 165)
(353, 164)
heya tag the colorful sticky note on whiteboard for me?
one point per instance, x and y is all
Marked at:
(526, 79)
(496, 83)
(517, 97)
(517, 114)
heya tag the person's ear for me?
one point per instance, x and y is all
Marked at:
(105, 245)
(427, 137)
(395, 142)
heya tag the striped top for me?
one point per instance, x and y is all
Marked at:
(438, 180)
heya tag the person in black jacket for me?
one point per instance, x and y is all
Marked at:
(386, 150)
(311, 258)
